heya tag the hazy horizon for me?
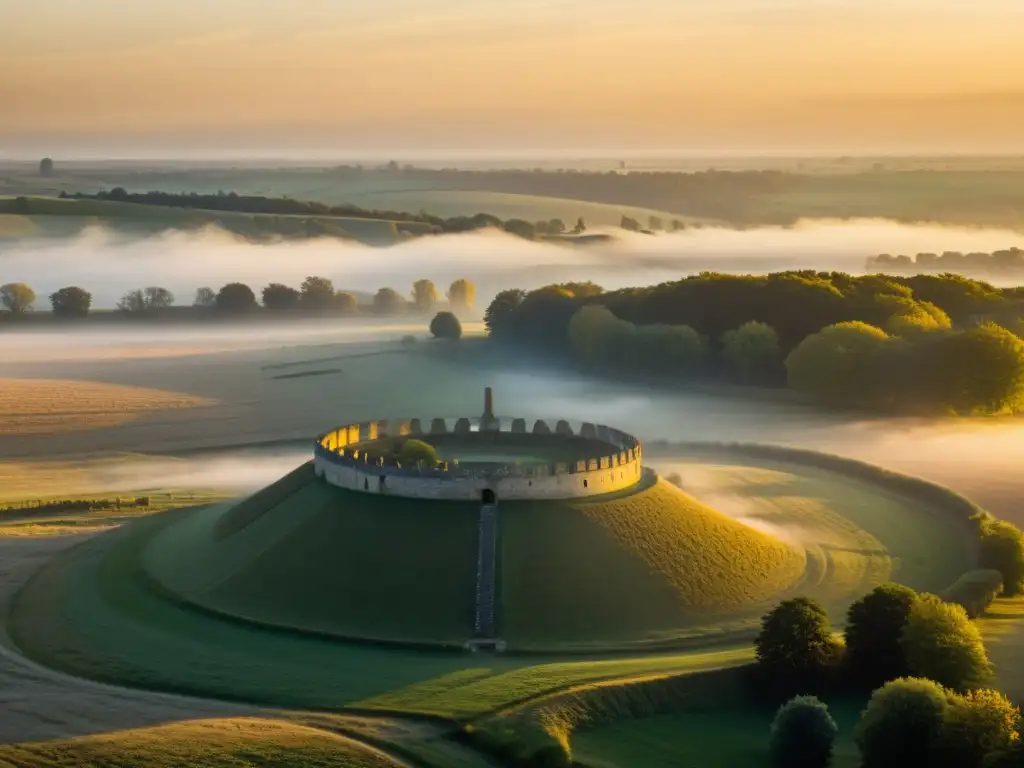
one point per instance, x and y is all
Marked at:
(442, 76)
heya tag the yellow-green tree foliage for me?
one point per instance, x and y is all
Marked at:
(976, 725)
(942, 644)
(842, 364)
(461, 295)
(598, 336)
(424, 295)
(1002, 549)
(594, 331)
(17, 297)
(752, 349)
(973, 372)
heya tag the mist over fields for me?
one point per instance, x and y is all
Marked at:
(108, 265)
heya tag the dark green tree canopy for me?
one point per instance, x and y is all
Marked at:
(277, 296)
(71, 302)
(874, 626)
(446, 325)
(802, 734)
(236, 298)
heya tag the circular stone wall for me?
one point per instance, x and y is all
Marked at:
(575, 461)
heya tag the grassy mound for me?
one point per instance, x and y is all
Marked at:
(630, 568)
(639, 566)
(304, 554)
(212, 743)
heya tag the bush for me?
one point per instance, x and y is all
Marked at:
(902, 724)
(795, 648)
(874, 626)
(941, 644)
(1002, 549)
(1011, 757)
(975, 591)
(446, 325)
(978, 725)
(802, 734)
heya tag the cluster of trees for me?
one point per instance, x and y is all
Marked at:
(927, 661)
(874, 342)
(1007, 260)
(286, 206)
(654, 224)
(315, 295)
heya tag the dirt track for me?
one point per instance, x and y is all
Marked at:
(39, 703)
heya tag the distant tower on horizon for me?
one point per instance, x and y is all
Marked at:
(488, 422)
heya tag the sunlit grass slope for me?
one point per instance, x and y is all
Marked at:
(227, 743)
(323, 559)
(634, 567)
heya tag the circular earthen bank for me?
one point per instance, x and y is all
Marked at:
(504, 458)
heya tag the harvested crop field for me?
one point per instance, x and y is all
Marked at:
(55, 406)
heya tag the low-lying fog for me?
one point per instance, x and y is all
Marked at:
(109, 265)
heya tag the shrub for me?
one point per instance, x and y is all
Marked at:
(802, 734)
(902, 724)
(1011, 757)
(874, 625)
(975, 591)
(794, 647)
(941, 644)
(977, 725)
(446, 325)
(1002, 549)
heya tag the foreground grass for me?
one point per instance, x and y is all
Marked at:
(226, 743)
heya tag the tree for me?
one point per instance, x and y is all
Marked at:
(629, 224)
(664, 348)
(521, 228)
(71, 302)
(977, 725)
(133, 302)
(802, 734)
(387, 301)
(843, 364)
(446, 325)
(424, 295)
(205, 297)
(1011, 757)
(593, 331)
(977, 371)
(795, 647)
(1002, 549)
(461, 295)
(500, 316)
(580, 228)
(874, 626)
(17, 297)
(46, 166)
(655, 223)
(414, 452)
(157, 298)
(942, 644)
(752, 350)
(556, 227)
(236, 298)
(280, 297)
(902, 724)
(346, 303)
(318, 294)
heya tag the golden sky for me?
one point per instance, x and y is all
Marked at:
(433, 75)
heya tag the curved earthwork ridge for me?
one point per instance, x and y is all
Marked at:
(102, 610)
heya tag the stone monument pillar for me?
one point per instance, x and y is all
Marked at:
(488, 422)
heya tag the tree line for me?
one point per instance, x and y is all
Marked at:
(1006, 260)
(316, 295)
(286, 206)
(924, 344)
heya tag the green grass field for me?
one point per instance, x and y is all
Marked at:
(328, 560)
(227, 743)
(639, 566)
